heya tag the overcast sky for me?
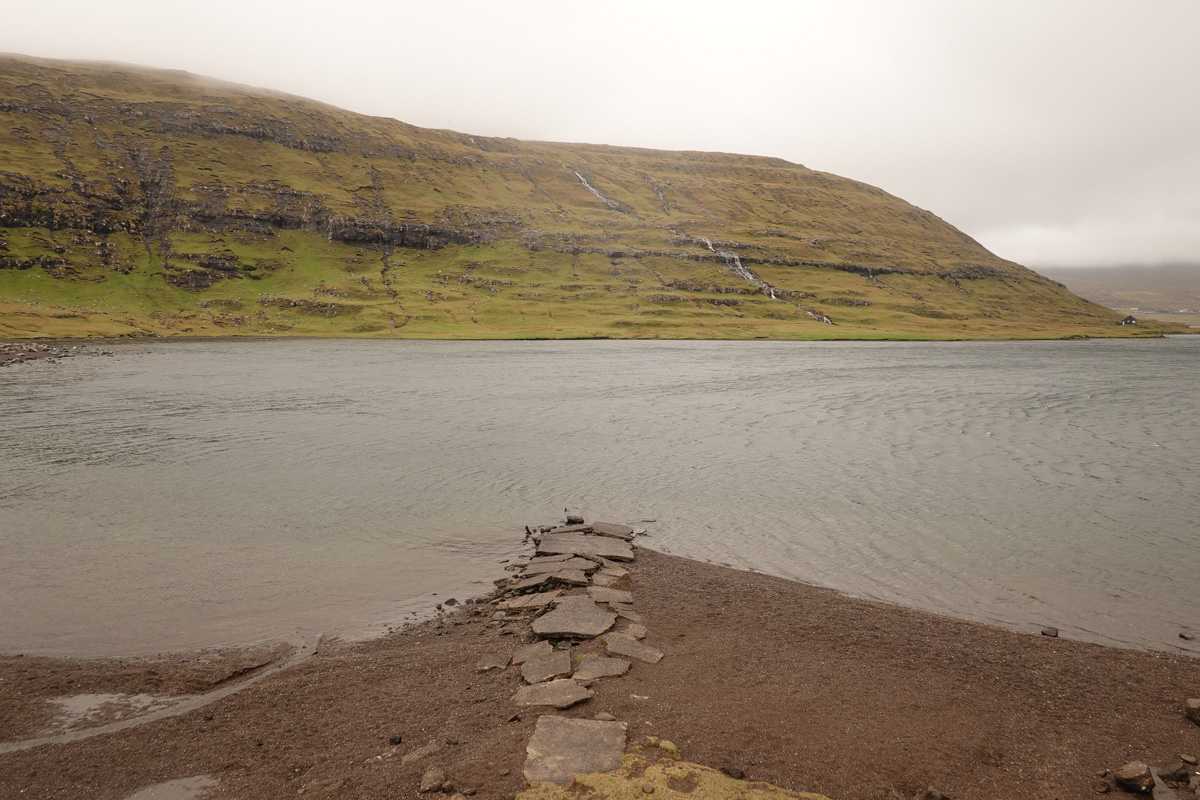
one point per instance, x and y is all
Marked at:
(1056, 132)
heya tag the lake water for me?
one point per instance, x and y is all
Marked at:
(189, 494)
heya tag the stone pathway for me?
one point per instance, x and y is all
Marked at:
(573, 591)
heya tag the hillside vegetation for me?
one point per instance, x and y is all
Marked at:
(139, 202)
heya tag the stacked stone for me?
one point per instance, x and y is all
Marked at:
(573, 590)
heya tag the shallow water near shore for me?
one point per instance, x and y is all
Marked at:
(208, 493)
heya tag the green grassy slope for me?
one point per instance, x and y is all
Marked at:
(140, 202)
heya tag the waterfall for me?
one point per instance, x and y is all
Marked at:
(738, 268)
(592, 189)
(735, 266)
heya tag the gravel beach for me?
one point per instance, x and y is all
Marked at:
(791, 684)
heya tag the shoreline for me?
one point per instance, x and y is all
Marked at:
(794, 684)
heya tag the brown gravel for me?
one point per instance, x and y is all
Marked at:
(796, 685)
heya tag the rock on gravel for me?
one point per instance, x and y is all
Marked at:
(1135, 777)
(576, 617)
(562, 748)
(561, 693)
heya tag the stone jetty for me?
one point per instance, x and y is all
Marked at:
(571, 592)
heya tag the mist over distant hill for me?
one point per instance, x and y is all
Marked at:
(1170, 287)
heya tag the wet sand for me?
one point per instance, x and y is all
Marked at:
(793, 684)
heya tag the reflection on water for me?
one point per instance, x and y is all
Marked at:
(200, 493)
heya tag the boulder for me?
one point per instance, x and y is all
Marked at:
(1135, 777)
(561, 748)
(1191, 707)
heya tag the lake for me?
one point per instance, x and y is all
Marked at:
(208, 493)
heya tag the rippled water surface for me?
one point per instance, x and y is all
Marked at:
(192, 494)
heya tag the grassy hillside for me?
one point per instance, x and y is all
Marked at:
(140, 202)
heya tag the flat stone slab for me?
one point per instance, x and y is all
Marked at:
(539, 600)
(602, 594)
(571, 577)
(491, 661)
(535, 582)
(626, 612)
(635, 630)
(575, 616)
(596, 667)
(585, 544)
(624, 645)
(571, 562)
(544, 666)
(561, 693)
(614, 529)
(527, 652)
(561, 748)
(584, 528)
(551, 559)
